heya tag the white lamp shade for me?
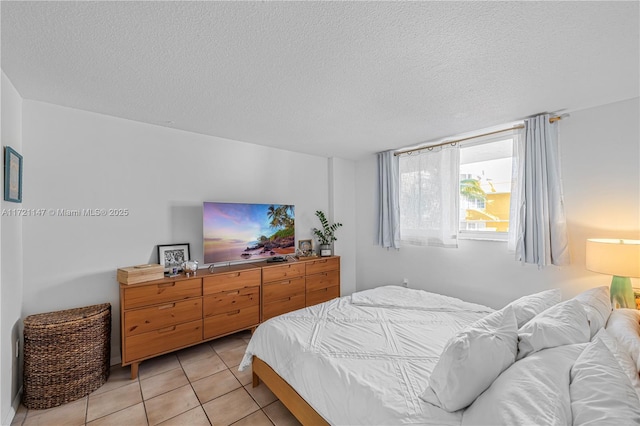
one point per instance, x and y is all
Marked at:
(614, 257)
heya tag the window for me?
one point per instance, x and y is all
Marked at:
(485, 189)
(464, 195)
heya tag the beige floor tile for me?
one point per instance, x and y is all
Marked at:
(114, 400)
(20, 415)
(279, 415)
(203, 350)
(230, 407)
(72, 414)
(170, 404)
(163, 382)
(232, 357)
(193, 417)
(261, 394)
(256, 419)
(203, 367)
(227, 343)
(118, 376)
(244, 377)
(132, 416)
(215, 385)
(158, 365)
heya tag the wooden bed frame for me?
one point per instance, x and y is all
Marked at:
(289, 397)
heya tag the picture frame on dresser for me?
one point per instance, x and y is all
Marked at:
(173, 256)
(306, 247)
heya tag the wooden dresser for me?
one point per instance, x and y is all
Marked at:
(162, 316)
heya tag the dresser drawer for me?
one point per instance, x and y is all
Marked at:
(322, 265)
(278, 290)
(228, 301)
(323, 280)
(155, 294)
(289, 304)
(239, 319)
(231, 281)
(162, 340)
(282, 272)
(319, 296)
(148, 319)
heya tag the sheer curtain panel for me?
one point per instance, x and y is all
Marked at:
(541, 236)
(388, 202)
(429, 197)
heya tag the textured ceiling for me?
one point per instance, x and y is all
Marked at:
(343, 79)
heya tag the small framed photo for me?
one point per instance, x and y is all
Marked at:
(173, 256)
(12, 175)
(305, 246)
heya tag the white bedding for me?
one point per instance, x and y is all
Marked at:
(373, 358)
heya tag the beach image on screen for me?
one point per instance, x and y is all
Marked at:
(234, 231)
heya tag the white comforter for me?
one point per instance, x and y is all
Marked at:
(365, 359)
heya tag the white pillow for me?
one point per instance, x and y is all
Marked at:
(562, 324)
(597, 303)
(600, 392)
(533, 391)
(624, 325)
(531, 305)
(625, 362)
(471, 361)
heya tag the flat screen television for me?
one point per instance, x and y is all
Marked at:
(239, 231)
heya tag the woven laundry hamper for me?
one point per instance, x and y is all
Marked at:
(66, 355)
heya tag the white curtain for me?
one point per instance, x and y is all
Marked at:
(538, 218)
(388, 202)
(429, 197)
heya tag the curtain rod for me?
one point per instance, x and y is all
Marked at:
(520, 126)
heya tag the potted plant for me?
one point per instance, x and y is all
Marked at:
(326, 235)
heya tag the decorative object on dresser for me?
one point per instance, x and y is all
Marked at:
(66, 355)
(168, 314)
(190, 267)
(12, 175)
(305, 247)
(620, 258)
(140, 273)
(172, 256)
(326, 236)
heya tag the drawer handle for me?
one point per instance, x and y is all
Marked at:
(233, 313)
(322, 261)
(286, 282)
(165, 330)
(166, 285)
(169, 306)
(233, 293)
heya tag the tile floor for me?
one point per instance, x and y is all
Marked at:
(200, 385)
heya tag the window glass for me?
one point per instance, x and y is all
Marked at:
(485, 188)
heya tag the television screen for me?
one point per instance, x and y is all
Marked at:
(236, 231)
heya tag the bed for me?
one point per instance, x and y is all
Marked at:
(396, 356)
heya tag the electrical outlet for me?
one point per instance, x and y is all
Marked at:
(405, 282)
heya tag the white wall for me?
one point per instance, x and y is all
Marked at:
(342, 195)
(79, 159)
(11, 281)
(600, 151)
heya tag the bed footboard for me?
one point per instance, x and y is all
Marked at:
(289, 397)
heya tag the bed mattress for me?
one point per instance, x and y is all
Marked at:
(365, 359)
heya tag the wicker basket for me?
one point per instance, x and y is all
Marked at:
(66, 355)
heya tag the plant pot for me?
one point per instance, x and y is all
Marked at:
(325, 250)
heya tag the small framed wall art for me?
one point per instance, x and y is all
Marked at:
(12, 175)
(172, 256)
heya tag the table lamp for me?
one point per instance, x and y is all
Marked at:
(620, 258)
